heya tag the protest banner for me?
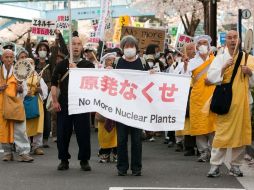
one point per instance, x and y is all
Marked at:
(182, 39)
(155, 104)
(146, 36)
(105, 13)
(43, 27)
(62, 22)
(120, 22)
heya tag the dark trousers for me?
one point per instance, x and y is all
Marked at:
(81, 124)
(122, 148)
(189, 142)
(171, 136)
(47, 122)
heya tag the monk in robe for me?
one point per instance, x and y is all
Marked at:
(10, 131)
(233, 130)
(201, 124)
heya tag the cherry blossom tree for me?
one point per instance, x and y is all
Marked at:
(191, 12)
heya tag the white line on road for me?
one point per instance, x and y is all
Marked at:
(171, 188)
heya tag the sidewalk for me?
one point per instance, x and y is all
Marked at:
(248, 172)
(247, 180)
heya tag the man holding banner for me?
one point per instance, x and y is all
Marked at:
(65, 122)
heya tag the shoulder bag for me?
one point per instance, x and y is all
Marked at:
(222, 95)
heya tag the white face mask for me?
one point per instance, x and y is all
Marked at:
(203, 49)
(42, 54)
(150, 63)
(130, 52)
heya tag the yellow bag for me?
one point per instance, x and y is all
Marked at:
(13, 108)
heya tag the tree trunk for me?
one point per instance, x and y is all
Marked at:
(190, 27)
(206, 16)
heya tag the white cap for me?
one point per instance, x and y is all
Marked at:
(202, 37)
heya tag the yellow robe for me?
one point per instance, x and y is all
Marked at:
(106, 139)
(200, 122)
(186, 130)
(35, 126)
(7, 126)
(234, 129)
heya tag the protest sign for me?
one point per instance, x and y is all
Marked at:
(155, 104)
(146, 36)
(63, 22)
(182, 39)
(43, 27)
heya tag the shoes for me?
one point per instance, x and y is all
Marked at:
(104, 158)
(7, 157)
(25, 158)
(190, 152)
(64, 165)
(54, 139)
(204, 156)
(214, 171)
(170, 144)
(85, 165)
(152, 139)
(115, 158)
(45, 146)
(235, 171)
(136, 173)
(166, 140)
(38, 151)
(122, 173)
(45, 143)
(179, 147)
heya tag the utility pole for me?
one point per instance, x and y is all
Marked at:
(240, 27)
(213, 22)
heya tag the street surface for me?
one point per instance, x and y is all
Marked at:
(162, 169)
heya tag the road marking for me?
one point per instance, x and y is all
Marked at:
(1, 150)
(171, 188)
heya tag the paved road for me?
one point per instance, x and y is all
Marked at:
(162, 167)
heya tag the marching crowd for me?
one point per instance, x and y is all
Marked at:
(206, 133)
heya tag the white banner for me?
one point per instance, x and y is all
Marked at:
(153, 102)
(63, 22)
(104, 13)
(43, 27)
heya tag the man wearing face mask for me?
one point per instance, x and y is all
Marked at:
(201, 124)
(130, 60)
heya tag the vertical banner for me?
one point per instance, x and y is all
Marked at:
(70, 32)
(120, 23)
(105, 12)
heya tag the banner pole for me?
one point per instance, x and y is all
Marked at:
(70, 32)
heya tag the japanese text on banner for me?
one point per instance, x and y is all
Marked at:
(157, 103)
(42, 27)
(63, 22)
